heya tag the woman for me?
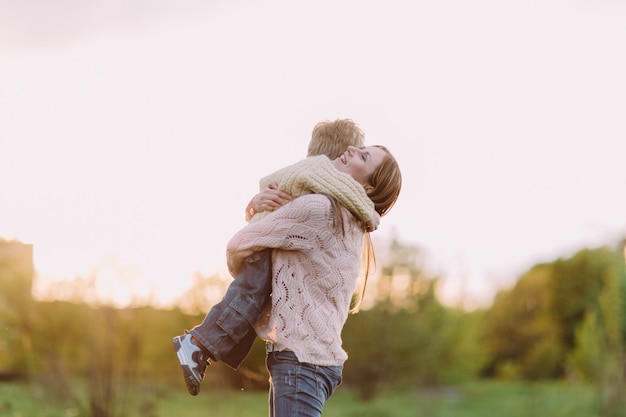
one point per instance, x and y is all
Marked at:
(227, 332)
(316, 257)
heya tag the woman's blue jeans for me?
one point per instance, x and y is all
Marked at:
(299, 389)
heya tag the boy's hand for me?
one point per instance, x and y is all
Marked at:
(269, 199)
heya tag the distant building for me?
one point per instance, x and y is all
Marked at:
(16, 272)
(16, 306)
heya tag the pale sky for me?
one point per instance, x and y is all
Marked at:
(133, 133)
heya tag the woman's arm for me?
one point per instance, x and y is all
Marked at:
(269, 199)
(291, 227)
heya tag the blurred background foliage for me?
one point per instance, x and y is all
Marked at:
(562, 320)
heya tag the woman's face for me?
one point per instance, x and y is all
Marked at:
(360, 163)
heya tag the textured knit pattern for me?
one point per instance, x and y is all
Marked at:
(317, 174)
(315, 268)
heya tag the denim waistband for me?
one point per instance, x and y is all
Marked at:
(271, 347)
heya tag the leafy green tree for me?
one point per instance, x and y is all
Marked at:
(60, 343)
(522, 337)
(599, 353)
(559, 318)
(575, 285)
(408, 336)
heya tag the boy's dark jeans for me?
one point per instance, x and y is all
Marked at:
(227, 331)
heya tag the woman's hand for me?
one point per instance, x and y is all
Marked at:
(269, 199)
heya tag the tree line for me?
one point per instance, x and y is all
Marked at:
(562, 320)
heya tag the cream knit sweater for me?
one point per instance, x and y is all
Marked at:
(314, 273)
(317, 174)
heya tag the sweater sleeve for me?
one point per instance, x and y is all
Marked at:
(317, 174)
(291, 227)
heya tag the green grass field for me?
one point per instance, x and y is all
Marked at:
(478, 399)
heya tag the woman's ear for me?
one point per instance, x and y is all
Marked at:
(368, 188)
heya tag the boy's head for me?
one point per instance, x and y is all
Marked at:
(333, 138)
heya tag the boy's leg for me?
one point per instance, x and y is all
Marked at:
(227, 332)
(231, 321)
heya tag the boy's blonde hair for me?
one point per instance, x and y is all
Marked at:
(333, 138)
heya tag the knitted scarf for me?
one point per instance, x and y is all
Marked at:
(317, 174)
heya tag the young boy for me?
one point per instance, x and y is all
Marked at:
(227, 332)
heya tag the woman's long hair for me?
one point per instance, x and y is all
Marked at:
(368, 259)
(386, 181)
(368, 266)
